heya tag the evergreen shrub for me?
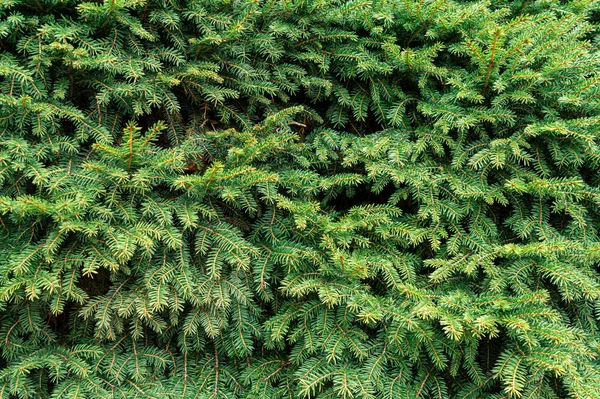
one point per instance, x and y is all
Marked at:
(299, 199)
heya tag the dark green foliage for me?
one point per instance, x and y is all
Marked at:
(299, 199)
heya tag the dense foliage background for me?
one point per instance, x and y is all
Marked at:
(299, 199)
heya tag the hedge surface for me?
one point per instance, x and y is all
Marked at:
(299, 199)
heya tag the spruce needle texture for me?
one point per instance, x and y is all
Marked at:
(299, 199)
